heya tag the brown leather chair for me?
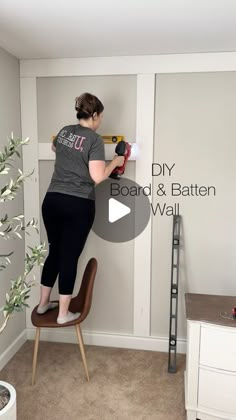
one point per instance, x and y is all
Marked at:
(81, 303)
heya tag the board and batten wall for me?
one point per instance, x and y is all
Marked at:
(179, 110)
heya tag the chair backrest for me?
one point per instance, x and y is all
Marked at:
(82, 302)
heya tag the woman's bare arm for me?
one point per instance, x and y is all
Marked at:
(99, 171)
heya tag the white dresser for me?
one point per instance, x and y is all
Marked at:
(210, 377)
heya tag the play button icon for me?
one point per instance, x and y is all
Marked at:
(117, 210)
(121, 214)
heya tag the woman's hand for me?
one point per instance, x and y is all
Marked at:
(119, 160)
(99, 171)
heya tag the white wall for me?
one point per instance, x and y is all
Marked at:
(10, 121)
(195, 130)
(56, 101)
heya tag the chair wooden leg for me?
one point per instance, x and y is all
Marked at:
(36, 346)
(81, 346)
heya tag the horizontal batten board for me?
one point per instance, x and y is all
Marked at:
(45, 152)
(95, 66)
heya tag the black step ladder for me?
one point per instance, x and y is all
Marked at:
(174, 294)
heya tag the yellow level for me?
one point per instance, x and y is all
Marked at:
(112, 139)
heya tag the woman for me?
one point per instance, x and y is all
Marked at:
(68, 208)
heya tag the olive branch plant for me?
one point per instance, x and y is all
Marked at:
(14, 227)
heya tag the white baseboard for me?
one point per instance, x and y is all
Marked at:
(107, 340)
(68, 335)
(7, 355)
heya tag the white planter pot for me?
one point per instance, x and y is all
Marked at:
(9, 411)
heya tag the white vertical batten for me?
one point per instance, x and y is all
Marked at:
(143, 177)
(30, 163)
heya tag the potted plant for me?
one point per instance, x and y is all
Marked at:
(19, 291)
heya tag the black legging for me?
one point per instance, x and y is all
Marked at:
(68, 220)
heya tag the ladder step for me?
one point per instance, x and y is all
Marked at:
(176, 240)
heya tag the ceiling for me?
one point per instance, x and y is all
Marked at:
(32, 29)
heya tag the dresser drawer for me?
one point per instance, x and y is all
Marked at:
(216, 392)
(218, 347)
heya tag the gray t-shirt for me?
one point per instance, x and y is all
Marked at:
(75, 147)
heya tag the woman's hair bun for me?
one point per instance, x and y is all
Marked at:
(86, 105)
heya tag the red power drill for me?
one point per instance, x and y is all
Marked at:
(122, 149)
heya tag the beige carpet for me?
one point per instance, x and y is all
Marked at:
(124, 384)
